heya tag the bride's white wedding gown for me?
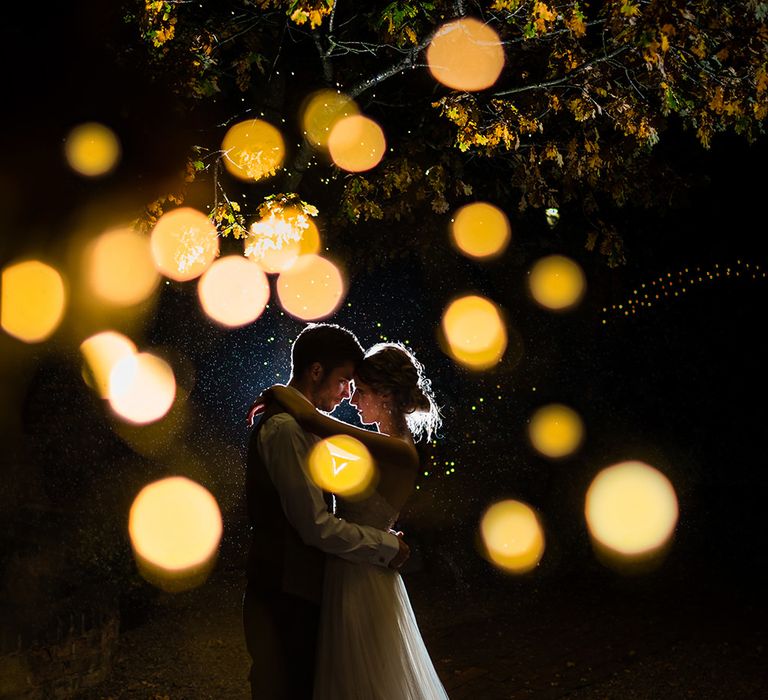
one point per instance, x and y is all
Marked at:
(370, 647)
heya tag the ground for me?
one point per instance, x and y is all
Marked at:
(504, 640)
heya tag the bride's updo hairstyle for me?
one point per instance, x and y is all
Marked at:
(390, 368)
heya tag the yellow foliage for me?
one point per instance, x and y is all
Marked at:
(576, 25)
(761, 80)
(509, 5)
(312, 13)
(543, 17)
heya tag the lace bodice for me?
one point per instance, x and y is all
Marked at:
(373, 510)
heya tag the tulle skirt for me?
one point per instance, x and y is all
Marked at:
(370, 647)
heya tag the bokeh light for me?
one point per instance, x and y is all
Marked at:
(480, 230)
(512, 536)
(356, 143)
(175, 528)
(233, 291)
(277, 240)
(474, 331)
(101, 352)
(253, 150)
(557, 282)
(184, 243)
(631, 508)
(142, 387)
(342, 465)
(32, 300)
(120, 268)
(92, 149)
(556, 430)
(312, 288)
(466, 54)
(323, 109)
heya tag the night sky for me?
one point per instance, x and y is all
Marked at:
(680, 385)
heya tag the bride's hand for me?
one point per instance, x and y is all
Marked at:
(295, 404)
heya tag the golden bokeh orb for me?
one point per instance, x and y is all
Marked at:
(184, 243)
(480, 230)
(512, 536)
(356, 143)
(101, 352)
(323, 109)
(120, 269)
(175, 528)
(466, 54)
(253, 150)
(276, 241)
(342, 465)
(557, 282)
(92, 149)
(556, 430)
(233, 291)
(474, 331)
(142, 388)
(631, 508)
(32, 300)
(310, 239)
(311, 289)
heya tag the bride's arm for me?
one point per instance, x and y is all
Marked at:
(385, 449)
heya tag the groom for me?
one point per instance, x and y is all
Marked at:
(293, 526)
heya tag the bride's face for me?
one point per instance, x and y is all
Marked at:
(368, 403)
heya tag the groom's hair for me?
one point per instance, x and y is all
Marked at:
(326, 343)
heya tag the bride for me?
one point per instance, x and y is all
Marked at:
(370, 647)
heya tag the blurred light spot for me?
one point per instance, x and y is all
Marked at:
(175, 528)
(556, 430)
(342, 465)
(310, 239)
(253, 150)
(32, 300)
(312, 288)
(557, 282)
(553, 216)
(631, 508)
(474, 331)
(277, 240)
(120, 267)
(466, 54)
(141, 387)
(356, 143)
(92, 149)
(480, 230)
(513, 536)
(233, 291)
(322, 111)
(101, 353)
(184, 243)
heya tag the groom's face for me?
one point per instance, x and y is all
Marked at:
(334, 387)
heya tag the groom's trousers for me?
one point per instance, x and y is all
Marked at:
(281, 636)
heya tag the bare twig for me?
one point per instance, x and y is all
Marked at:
(559, 81)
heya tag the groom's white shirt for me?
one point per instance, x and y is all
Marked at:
(283, 446)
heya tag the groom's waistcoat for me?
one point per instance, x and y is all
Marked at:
(278, 561)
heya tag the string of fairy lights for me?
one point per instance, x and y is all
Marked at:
(671, 285)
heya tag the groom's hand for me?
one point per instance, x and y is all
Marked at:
(403, 553)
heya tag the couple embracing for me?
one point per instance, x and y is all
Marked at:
(326, 614)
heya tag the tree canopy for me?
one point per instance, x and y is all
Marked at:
(577, 120)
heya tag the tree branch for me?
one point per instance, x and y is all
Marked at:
(565, 78)
(408, 62)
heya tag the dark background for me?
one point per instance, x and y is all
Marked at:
(680, 385)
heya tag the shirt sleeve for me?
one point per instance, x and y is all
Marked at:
(284, 447)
